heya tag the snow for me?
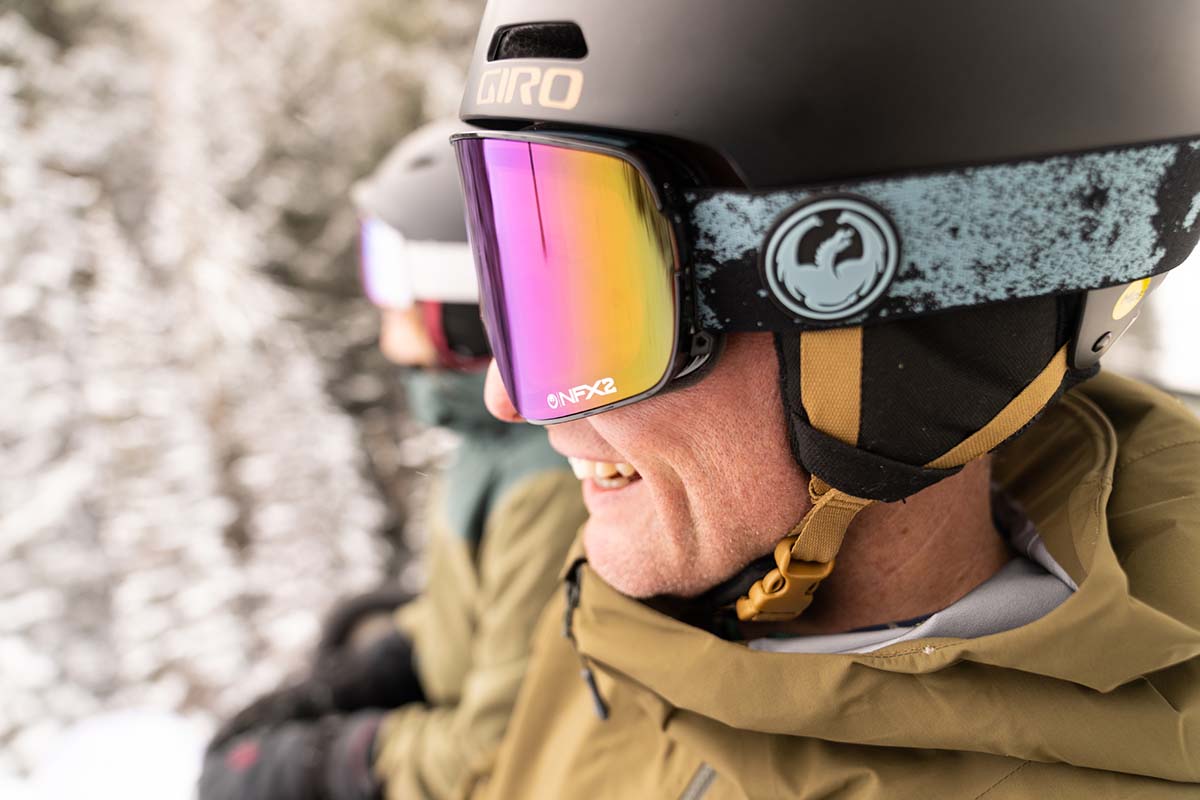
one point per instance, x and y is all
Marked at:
(135, 754)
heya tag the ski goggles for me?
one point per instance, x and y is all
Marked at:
(578, 268)
(604, 276)
(435, 278)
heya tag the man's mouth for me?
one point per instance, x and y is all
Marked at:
(605, 474)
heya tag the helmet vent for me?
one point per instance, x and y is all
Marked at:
(538, 40)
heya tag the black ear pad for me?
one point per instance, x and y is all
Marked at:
(928, 384)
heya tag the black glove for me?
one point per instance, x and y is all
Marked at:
(346, 677)
(363, 667)
(329, 759)
(342, 625)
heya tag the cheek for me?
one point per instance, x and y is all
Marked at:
(740, 432)
(760, 492)
(726, 484)
(719, 489)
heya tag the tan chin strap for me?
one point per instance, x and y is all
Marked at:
(831, 391)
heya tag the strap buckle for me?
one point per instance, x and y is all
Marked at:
(786, 591)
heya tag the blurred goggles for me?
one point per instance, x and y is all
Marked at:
(601, 280)
(396, 272)
(434, 279)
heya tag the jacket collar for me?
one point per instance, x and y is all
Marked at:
(1119, 626)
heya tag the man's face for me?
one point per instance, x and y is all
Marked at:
(717, 486)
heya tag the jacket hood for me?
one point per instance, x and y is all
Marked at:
(1108, 680)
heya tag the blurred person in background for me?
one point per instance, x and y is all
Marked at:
(409, 700)
(896, 538)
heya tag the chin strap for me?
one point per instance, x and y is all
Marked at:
(831, 392)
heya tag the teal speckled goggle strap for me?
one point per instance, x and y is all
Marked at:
(857, 253)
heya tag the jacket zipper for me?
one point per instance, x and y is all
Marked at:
(589, 678)
(700, 783)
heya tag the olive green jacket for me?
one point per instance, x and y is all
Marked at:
(1098, 699)
(503, 517)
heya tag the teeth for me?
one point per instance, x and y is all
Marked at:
(606, 474)
(612, 483)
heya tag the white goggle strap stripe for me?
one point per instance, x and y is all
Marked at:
(442, 271)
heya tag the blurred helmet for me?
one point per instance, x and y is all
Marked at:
(414, 244)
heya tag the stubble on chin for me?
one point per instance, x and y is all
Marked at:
(643, 561)
(649, 563)
(636, 561)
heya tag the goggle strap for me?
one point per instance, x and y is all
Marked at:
(966, 237)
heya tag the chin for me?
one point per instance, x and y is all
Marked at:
(629, 564)
(640, 566)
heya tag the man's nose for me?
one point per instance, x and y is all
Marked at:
(496, 398)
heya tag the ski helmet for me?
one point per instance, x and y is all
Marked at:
(945, 212)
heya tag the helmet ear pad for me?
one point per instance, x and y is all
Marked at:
(928, 384)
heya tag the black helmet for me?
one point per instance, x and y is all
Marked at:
(1010, 179)
(791, 92)
(415, 189)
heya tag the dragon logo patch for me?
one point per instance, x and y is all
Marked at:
(831, 258)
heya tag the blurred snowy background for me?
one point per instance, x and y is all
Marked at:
(200, 449)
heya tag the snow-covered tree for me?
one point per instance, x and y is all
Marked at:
(200, 445)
